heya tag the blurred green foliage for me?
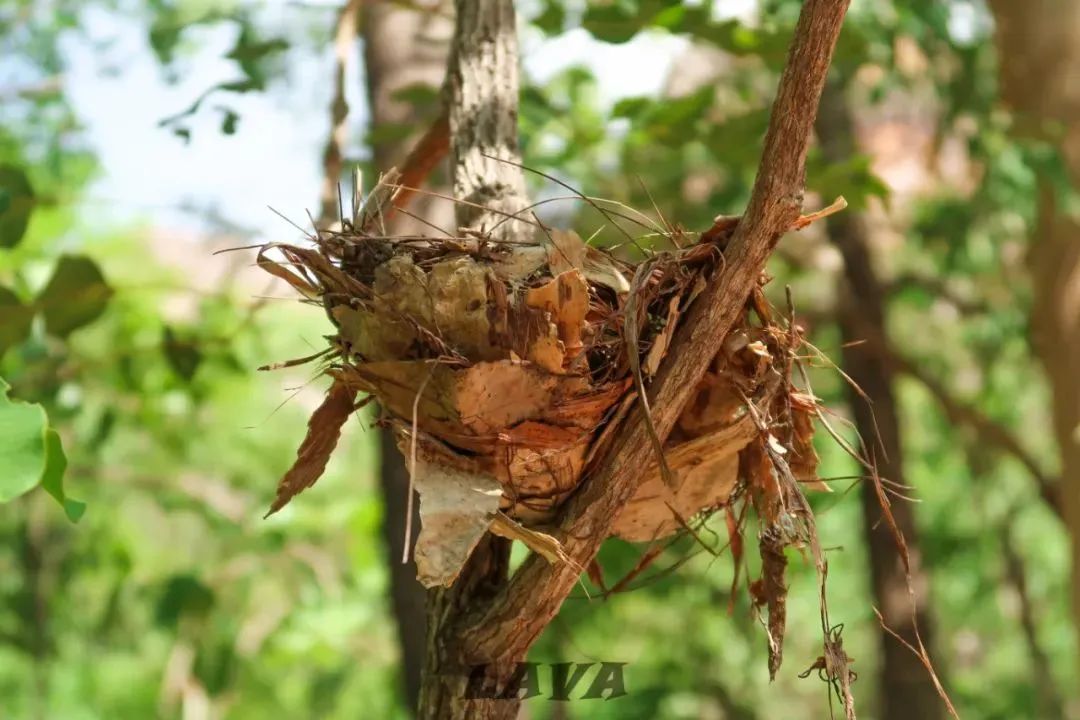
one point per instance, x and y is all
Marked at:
(172, 591)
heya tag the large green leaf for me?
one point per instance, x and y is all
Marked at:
(16, 204)
(31, 454)
(22, 445)
(75, 295)
(15, 320)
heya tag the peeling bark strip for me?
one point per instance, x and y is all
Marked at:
(505, 629)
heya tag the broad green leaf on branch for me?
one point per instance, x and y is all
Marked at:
(75, 295)
(31, 454)
(15, 320)
(16, 203)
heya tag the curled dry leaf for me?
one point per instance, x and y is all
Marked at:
(324, 429)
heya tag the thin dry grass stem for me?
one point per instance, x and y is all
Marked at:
(305, 233)
(918, 649)
(468, 203)
(859, 391)
(591, 202)
(424, 221)
(407, 542)
(663, 220)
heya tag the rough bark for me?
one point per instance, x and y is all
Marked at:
(482, 102)
(1039, 51)
(481, 95)
(404, 47)
(905, 688)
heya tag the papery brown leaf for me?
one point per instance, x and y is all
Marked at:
(324, 429)
(281, 272)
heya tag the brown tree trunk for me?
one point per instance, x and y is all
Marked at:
(404, 47)
(1039, 51)
(906, 689)
(481, 95)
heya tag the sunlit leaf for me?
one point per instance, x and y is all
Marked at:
(22, 445)
(75, 296)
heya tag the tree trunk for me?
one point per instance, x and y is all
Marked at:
(481, 95)
(404, 47)
(1039, 57)
(906, 689)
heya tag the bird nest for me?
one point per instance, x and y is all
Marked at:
(506, 368)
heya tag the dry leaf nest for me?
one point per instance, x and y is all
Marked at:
(505, 368)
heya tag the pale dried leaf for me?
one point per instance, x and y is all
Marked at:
(541, 543)
(455, 511)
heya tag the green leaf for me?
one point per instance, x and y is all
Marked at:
(615, 22)
(229, 122)
(22, 445)
(854, 179)
(631, 107)
(31, 454)
(183, 595)
(183, 355)
(389, 133)
(16, 203)
(417, 94)
(75, 296)
(15, 320)
(52, 479)
(553, 18)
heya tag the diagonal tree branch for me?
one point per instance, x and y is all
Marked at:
(505, 628)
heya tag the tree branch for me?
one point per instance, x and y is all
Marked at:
(507, 627)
